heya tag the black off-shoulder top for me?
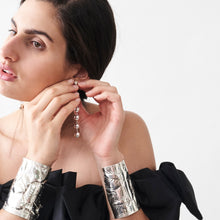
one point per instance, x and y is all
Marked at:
(159, 193)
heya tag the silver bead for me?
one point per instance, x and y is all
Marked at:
(77, 134)
(76, 110)
(76, 117)
(76, 126)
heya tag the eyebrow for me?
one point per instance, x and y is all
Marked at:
(33, 31)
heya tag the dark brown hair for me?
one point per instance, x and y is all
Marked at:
(89, 29)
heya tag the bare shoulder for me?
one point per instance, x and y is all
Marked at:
(135, 143)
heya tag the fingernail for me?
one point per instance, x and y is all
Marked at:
(75, 87)
(87, 93)
(81, 82)
(70, 81)
(78, 99)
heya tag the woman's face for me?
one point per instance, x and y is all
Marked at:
(33, 56)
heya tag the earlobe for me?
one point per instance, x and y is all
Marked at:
(82, 74)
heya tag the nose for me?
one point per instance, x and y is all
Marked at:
(9, 50)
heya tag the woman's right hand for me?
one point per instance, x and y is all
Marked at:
(44, 117)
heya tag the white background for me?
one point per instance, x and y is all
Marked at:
(166, 68)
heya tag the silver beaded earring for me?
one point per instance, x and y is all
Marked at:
(76, 122)
(76, 119)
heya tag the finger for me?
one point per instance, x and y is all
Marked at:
(109, 103)
(64, 112)
(82, 112)
(108, 96)
(99, 89)
(88, 84)
(46, 96)
(38, 97)
(57, 103)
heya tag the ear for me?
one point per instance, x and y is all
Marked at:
(77, 72)
(81, 74)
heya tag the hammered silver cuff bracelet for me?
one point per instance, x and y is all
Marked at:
(22, 200)
(119, 190)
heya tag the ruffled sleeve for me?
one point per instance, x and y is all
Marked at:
(4, 189)
(160, 193)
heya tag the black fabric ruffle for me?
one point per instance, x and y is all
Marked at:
(160, 194)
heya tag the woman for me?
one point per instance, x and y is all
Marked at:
(53, 58)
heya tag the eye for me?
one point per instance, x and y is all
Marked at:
(37, 45)
(12, 32)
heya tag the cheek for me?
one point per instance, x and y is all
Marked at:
(46, 72)
(38, 80)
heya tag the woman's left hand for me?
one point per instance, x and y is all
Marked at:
(102, 130)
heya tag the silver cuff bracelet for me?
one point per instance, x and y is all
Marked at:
(22, 200)
(119, 190)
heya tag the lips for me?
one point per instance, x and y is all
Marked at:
(6, 73)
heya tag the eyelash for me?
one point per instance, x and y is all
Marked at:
(40, 46)
(12, 31)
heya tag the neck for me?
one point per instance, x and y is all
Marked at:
(67, 129)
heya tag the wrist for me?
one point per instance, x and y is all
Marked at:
(23, 198)
(40, 159)
(110, 159)
(119, 190)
